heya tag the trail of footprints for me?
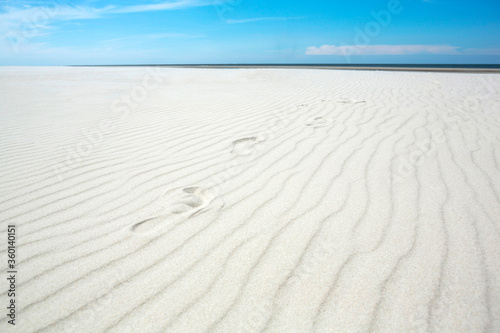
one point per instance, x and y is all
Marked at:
(180, 203)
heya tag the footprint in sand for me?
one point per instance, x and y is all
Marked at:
(179, 204)
(301, 106)
(245, 146)
(349, 101)
(318, 122)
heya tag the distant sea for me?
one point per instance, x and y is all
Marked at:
(489, 68)
(457, 66)
(492, 66)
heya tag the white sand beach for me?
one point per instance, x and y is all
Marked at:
(250, 200)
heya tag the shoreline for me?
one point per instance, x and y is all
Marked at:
(475, 70)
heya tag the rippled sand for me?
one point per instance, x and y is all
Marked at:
(248, 200)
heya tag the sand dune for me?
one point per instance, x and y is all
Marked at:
(250, 200)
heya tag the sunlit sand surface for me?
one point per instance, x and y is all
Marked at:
(249, 200)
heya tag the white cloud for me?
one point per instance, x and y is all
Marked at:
(485, 51)
(381, 49)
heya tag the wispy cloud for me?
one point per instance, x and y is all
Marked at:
(26, 20)
(65, 12)
(168, 5)
(150, 37)
(98, 54)
(348, 50)
(30, 15)
(255, 19)
(381, 49)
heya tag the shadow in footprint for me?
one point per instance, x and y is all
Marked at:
(349, 101)
(179, 204)
(244, 146)
(318, 122)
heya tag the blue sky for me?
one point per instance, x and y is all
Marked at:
(242, 31)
